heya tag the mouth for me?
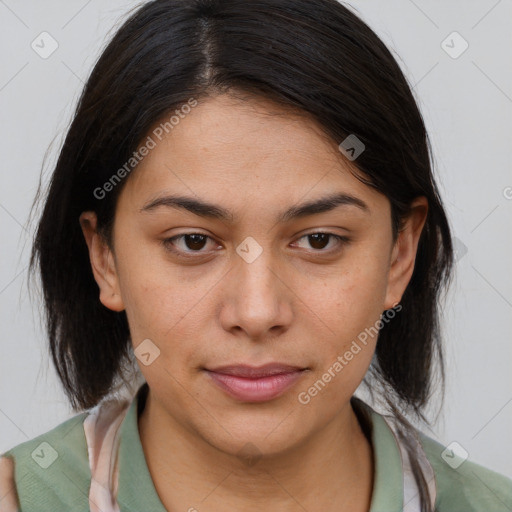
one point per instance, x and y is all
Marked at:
(255, 384)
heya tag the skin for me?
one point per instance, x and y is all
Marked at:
(9, 501)
(299, 302)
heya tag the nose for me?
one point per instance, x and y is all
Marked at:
(258, 298)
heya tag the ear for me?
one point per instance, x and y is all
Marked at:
(102, 263)
(403, 255)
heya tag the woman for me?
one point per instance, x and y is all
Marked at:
(244, 206)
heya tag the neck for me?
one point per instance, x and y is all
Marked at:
(332, 470)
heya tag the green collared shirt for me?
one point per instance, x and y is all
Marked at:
(52, 471)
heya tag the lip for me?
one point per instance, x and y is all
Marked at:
(255, 384)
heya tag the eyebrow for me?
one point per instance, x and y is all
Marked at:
(209, 210)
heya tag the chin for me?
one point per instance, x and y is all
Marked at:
(252, 437)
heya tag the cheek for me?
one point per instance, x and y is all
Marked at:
(348, 300)
(163, 311)
(164, 305)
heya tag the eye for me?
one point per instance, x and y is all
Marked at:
(190, 243)
(319, 240)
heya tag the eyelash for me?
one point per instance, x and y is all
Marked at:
(169, 246)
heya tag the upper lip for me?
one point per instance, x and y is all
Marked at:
(243, 370)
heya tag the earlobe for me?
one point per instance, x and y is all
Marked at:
(403, 255)
(102, 263)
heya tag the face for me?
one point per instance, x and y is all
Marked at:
(265, 283)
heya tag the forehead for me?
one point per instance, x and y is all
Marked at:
(227, 149)
(230, 131)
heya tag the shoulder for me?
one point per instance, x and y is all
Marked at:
(463, 485)
(51, 471)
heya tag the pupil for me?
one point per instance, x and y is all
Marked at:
(318, 236)
(196, 242)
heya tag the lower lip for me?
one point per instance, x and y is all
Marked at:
(255, 390)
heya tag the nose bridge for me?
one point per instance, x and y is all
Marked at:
(259, 293)
(255, 268)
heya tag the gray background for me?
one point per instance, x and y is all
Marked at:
(467, 104)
